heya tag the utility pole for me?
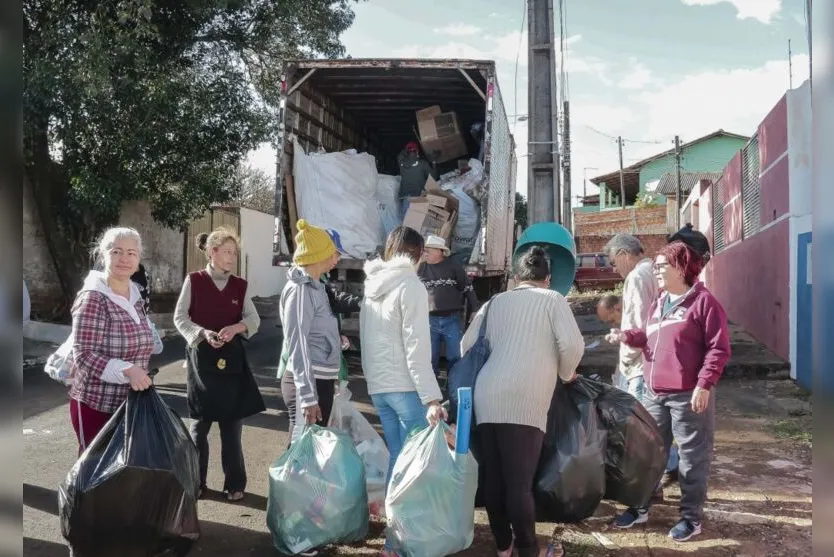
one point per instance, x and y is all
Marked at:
(543, 172)
(622, 176)
(567, 212)
(790, 66)
(585, 180)
(679, 190)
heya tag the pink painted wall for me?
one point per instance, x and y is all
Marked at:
(733, 221)
(751, 280)
(773, 134)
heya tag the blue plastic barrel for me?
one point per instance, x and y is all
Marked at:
(558, 242)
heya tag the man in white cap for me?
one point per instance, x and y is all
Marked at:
(447, 283)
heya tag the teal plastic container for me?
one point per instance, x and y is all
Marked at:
(560, 246)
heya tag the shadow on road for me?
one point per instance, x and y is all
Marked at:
(42, 548)
(41, 498)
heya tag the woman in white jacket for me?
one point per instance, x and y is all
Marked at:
(396, 341)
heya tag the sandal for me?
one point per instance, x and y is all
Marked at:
(234, 496)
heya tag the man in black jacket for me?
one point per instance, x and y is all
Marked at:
(448, 286)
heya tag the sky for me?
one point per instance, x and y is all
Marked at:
(646, 70)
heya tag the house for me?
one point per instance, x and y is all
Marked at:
(709, 153)
(758, 216)
(667, 186)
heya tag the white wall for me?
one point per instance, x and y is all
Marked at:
(800, 189)
(256, 234)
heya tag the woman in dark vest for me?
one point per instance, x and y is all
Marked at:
(214, 313)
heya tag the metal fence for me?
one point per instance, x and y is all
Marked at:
(718, 240)
(750, 188)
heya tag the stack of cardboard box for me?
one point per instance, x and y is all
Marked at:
(435, 212)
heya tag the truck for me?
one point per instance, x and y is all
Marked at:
(370, 105)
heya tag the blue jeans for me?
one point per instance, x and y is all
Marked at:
(447, 329)
(404, 203)
(400, 414)
(636, 387)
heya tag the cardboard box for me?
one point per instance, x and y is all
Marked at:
(435, 212)
(440, 135)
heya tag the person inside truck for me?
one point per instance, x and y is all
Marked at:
(610, 310)
(311, 331)
(414, 171)
(448, 287)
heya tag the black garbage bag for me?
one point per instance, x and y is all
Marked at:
(570, 479)
(133, 492)
(635, 458)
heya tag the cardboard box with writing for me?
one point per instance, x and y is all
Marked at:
(435, 212)
(440, 135)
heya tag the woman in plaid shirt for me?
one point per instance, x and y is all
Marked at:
(112, 339)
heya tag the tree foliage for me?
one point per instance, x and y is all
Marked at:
(255, 189)
(151, 99)
(520, 210)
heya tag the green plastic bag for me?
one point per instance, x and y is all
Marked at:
(317, 493)
(431, 498)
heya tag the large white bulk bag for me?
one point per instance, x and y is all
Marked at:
(338, 191)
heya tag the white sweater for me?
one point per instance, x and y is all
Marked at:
(394, 331)
(534, 339)
(639, 291)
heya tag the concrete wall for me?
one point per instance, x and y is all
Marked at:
(163, 248)
(38, 269)
(800, 200)
(256, 233)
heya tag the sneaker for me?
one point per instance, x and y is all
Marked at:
(685, 530)
(657, 496)
(309, 553)
(631, 517)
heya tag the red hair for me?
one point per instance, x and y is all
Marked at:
(683, 258)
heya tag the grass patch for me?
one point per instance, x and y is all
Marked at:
(574, 294)
(793, 429)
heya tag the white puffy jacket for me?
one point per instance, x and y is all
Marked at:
(394, 331)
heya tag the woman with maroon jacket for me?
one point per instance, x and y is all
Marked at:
(112, 340)
(685, 345)
(214, 312)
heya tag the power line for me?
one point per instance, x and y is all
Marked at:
(615, 138)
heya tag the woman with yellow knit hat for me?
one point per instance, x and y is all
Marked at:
(311, 332)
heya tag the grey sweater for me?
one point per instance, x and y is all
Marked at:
(447, 284)
(311, 334)
(534, 339)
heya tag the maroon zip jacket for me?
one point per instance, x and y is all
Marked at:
(687, 346)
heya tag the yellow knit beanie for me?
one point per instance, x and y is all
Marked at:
(312, 244)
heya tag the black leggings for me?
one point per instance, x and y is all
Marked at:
(325, 389)
(509, 458)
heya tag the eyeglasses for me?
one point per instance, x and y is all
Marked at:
(658, 267)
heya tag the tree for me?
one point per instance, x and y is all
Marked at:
(150, 99)
(520, 210)
(256, 189)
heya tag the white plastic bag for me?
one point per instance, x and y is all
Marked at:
(387, 198)
(466, 229)
(59, 364)
(431, 499)
(370, 446)
(338, 191)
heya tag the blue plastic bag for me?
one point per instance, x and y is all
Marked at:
(317, 493)
(431, 497)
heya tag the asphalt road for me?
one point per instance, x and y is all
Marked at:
(49, 450)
